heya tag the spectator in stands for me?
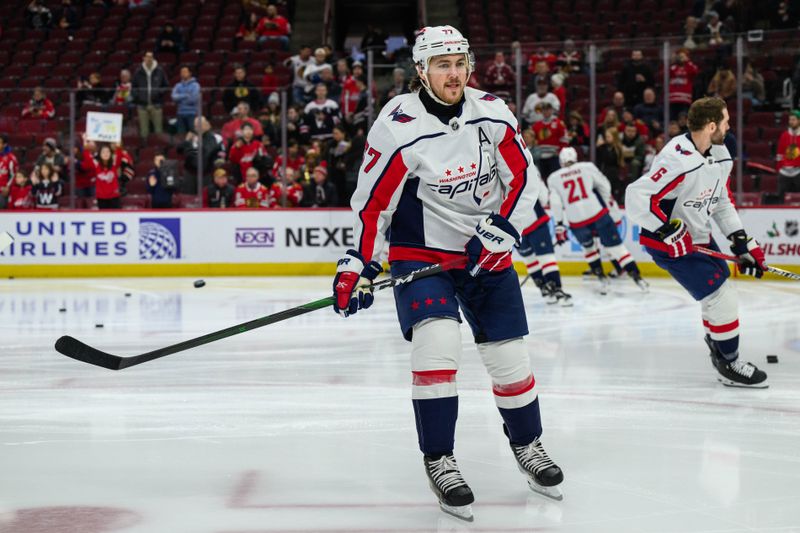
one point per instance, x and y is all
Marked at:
(786, 15)
(170, 41)
(569, 60)
(161, 184)
(558, 89)
(651, 152)
(213, 147)
(298, 63)
(499, 78)
(294, 123)
(399, 84)
(67, 16)
(753, 86)
(149, 86)
(50, 155)
(91, 91)
(635, 76)
(318, 125)
(329, 81)
(617, 105)
(270, 120)
(681, 82)
(241, 116)
(8, 168)
(531, 110)
(541, 72)
(610, 121)
(578, 132)
(251, 193)
(641, 127)
(716, 30)
(240, 90)
(692, 33)
(287, 188)
(85, 174)
(123, 90)
(788, 156)
(320, 192)
(186, 94)
(246, 151)
(20, 195)
(108, 179)
(335, 155)
(610, 161)
(311, 74)
(39, 106)
(541, 55)
(220, 193)
(273, 28)
(248, 31)
(47, 187)
(38, 15)
(269, 83)
(650, 112)
(322, 103)
(550, 137)
(633, 148)
(351, 94)
(723, 84)
(673, 129)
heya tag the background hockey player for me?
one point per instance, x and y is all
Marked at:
(536, 249)
(447, 174)
(686, 188)
(580, 194)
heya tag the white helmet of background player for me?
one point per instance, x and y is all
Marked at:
(435, 41)
(567, 156)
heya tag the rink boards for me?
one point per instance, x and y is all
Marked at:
(274, 242)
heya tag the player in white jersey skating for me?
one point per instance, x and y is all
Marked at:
(580, 194)
(447, 176)
(688, 187)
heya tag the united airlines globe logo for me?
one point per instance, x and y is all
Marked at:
(159, 238)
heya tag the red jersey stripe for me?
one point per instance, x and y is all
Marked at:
(518, 165)
(379, 198)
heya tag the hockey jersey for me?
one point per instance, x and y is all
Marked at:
(580, 193)
(252, 198)
(428, 182)
(684, 184)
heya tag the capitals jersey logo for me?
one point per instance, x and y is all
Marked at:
(488, 97)
(681, 150)
(398, 115)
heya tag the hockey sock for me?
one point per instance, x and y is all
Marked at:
(550, 269)
(523, 424)
(623, 258)
(535, 272)
(616, 266)
(436, 424)
(721, 320)
(596, 266)
(632, 268)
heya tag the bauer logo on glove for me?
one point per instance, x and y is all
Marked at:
(489, 250)
(352, 286)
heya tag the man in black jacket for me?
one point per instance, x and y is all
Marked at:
(148, 86)
(241, 90)
(212, 145)
(320, 192)
(220, 193)
(635, 76)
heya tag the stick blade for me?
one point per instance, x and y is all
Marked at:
(72, 347)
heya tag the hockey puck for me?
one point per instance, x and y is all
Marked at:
(98, 325)
(127, 295)
(772, 359)
(62, 310)
(199, 283)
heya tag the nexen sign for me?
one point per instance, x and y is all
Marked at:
(255, 237)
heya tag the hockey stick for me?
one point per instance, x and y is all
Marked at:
(72, 347)
(726, 257)
(5, 240)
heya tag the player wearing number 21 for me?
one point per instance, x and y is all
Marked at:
(674, 205)
(446, 175)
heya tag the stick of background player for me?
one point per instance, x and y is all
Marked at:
(580, 193)
(445, 169)
(536, 248)
(674, 205)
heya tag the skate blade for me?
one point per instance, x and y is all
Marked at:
(463, 512)
(565, 302)
(645, 288)
(730, 383)
(553, 493)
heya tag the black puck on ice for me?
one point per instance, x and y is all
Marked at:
(199, 283)
(98, 325)
(127, 295)
(62, 310)
(772, 359)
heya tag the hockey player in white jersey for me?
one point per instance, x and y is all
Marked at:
(674, 204)
(580, 195)
(446, 175)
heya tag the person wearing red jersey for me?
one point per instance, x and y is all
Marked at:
(293, 160)
(681, 81)
(788, 156)
(8, 168)
(246, 149)
(252, 193)
(20, 195)
(541, 54)
(289, 187)
(551, 136)
(39, 106)
(107, 183)
(241, 116)
(273, 27)
(500, 77)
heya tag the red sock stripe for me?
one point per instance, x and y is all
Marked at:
(623, 258)
(531, 265)
(550, 264)
(514, 389)
(433, 377)
(592, 254)
(723, 328)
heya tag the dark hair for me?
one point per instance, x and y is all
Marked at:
(415, 83)
(100, 162)
(705, 111)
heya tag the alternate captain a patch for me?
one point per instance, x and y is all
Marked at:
(398, 115)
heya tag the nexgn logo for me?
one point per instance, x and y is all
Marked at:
(255, 237)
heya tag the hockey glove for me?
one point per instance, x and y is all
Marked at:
(751, 258)
(561, 234)
(352, 286)
(489, 250)
(676, 237)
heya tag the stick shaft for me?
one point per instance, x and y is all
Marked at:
(726, 257)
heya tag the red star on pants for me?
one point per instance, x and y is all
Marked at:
(711, 282)
(473, 165)
(443, 300)
(448, 171)
(414, 305)
(461, 169)
(716, 276)
(428, 302)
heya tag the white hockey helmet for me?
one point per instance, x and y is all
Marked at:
(435, 41)
(567, 156)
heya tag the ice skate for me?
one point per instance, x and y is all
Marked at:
(547, 289)
(736, 373)
(560, 297)
(640, 282)
(605, 284)
(455, 496)
(542, 473)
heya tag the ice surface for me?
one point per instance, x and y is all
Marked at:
(307, 425)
